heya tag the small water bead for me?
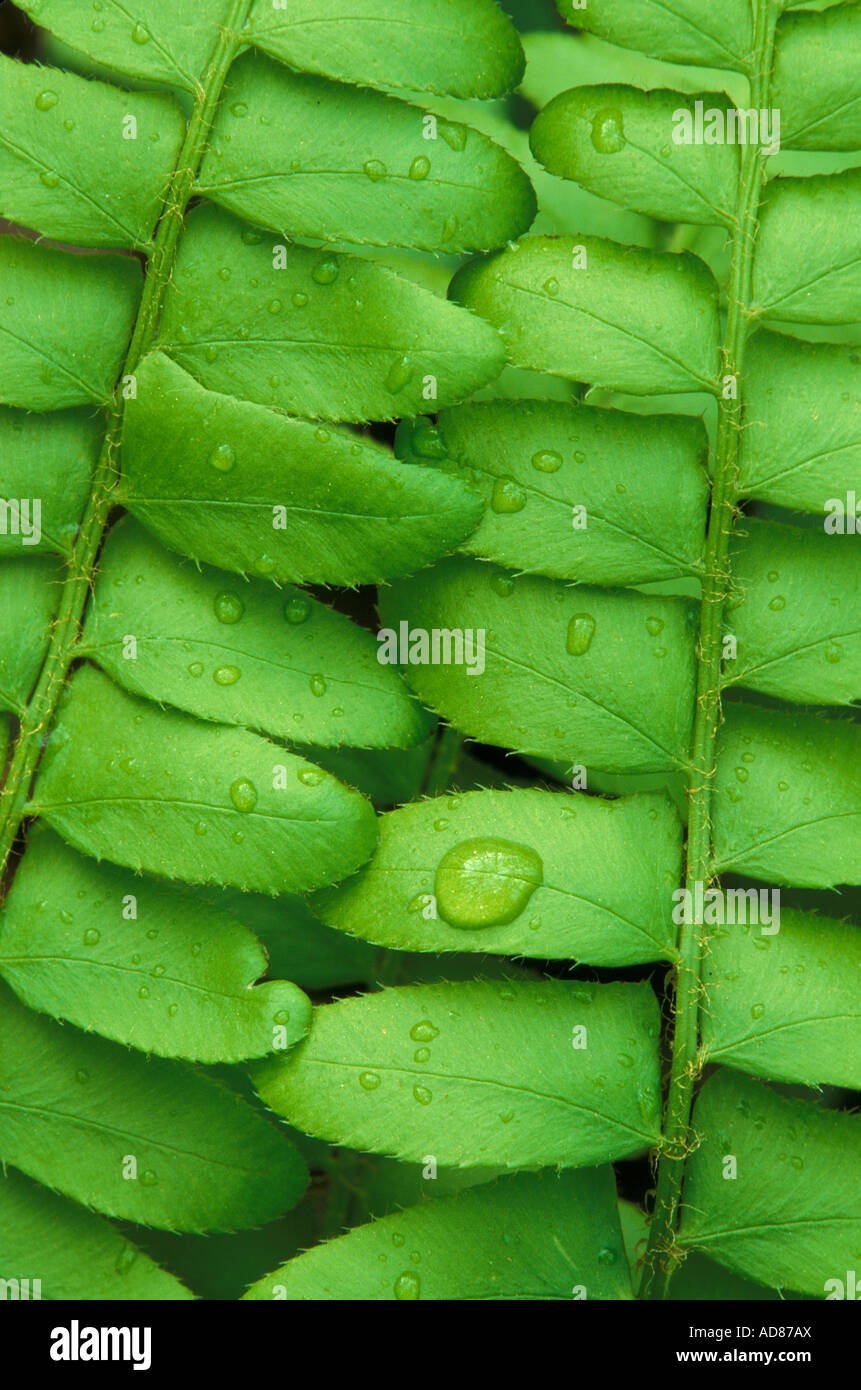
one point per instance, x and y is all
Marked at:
(398, 1240)
(833, 654)
(778, 603)
(143, 992)
(228, 607)
(300, 299)
(275, 306)
(399, 374)
(486, 882)
(173, 1010)
(421, 1055)
(141, 34)
(502, 584)
(311, 776)
(282, 1016)
(547, 461)
(758, 1011)
(243, 794)
(45, 100)
(453, 133)
(581, 630)
(449, 228)
(408, 1287)
(375, 169)
(49, 178)
(551, 287)
(424, 1031)
(92, 936)
(654, 626)
(157, 972)
(82, 1075)
(317, 685)
(741, 774)
(265, 564)
(369, 1080)
(239, 109)
(420, 167)
(322, 434)
(325, 272)
(148, 1178)
(66, 917)
(297, 609)
(428, 442)
(508, 496)
(579, 456)
(608, 131)
(607, 1256)
(226, 675)
(222, 458)
(422, 1095)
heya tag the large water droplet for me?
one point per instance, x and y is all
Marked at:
(486, 882)
(325, 272)
(222, 458)
(581, 630)
(422, 1095)
(420, 167)
(92, 936)
(408, 1287)
(368, 1080)
(375, 169)
(318, 685)
(45, 100)
(226, 675)
(243, 794)
(608, 132)
(49, 178)
(297, 608)
(228, 607)
(547, 461)
(141, 34)
(399, 373)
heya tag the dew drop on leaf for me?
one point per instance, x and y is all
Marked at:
(608, 132)
(222, 458)
(45, 100)
(581, 630)
(407, 1287)
(508, 496)
(325, 272)
(424, 1031)
(375, 169)
(422, 1095)
(547, 461)
(420, 167)
(317, 685)
(243, 794)
(141, 34)
(228, 607)
(369, 1080)
(226, 675)
(92, 936)
(486, 882)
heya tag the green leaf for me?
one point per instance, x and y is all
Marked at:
(488, 1243)
(140, 962)
(479, 1073)
(792, 1216)
(360, 166)
(785, 1005)
(77, 1255)
(157, 40)
(81, 161)
(274, 660)
(65, 321)
(815, 79)
(527, 872)
(615, 316)
(74, 1110)
(787, 804)
(29, 593)
(535, 462)
(808, 262)
(619, 142)
(161, 792)
(802, 438)
(468, 48)
(328, 335)
(297, 943)
(49, 457)
(795, 615)
(684, 31)
(603, 678)
(249, 490)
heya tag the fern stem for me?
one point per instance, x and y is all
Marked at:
(678, 1141)
(65, 629)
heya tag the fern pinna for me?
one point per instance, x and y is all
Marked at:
(612, 534)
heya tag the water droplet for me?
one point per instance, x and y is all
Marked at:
(398, 1240)
(654, 626)
(375, 169)
(318, 685)
(625, 1060)
(239, 109)
(368, 1080)
(82, 1075)
(282, 1016)
(420, 167)
(547, 461)
(508, 496)
(141, 34)
(422, 1095)
(502, 584)
(422, 1054)
(581, 630)
(311, 776)
(608, 132)
(551, 287)
(297, 608)
(92, 936)
(143, 992)
(607, 1256)
(797, 1162)
(486, 882)
(195, 669)
(424, 1031)
(741, 774)
(49, 178)
(148, 1178)
(833, 654)
(173, 1010)
(243, 794)
(275, 306)
(399, 373)
(45, 100)
(757, 1011)
(325, 272)
(408, 1287)
(300, 299)
(126, 1259)
(777, 603)
(228, 607)
(222, 458)
(226, 675)
(449, 228)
